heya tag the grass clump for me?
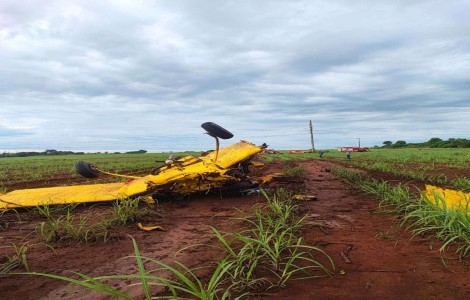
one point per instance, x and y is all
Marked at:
(84, 228)
(271, 247)
(16, 261)
(392, 197)
(5, 220)
(71, 228)
(461, 183)
(126, 211)
(293, 170)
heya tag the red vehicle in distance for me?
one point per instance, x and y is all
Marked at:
(353, 149)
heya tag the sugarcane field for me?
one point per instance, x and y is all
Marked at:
(364, 227)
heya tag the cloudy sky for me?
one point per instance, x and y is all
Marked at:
(123, 75)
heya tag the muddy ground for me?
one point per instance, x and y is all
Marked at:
(373, 257)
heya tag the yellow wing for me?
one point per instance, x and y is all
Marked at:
(188, 175)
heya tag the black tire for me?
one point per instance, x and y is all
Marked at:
(217, 131)
(86, 169)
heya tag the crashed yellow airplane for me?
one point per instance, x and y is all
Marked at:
(226, 168)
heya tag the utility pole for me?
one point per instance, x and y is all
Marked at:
(359, 142)
(311, 136)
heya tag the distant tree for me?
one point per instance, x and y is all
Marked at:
(399, 144)
(434, 140)
(462, 143)
(50, 152)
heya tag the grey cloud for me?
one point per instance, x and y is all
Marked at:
(5, 132)
(87, 74)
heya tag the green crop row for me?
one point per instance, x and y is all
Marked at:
(429, 157)
(452, 157)
(443, 167)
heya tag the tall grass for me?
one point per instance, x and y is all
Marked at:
(392, 198)
(451, 225)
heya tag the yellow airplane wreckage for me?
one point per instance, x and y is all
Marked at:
(447, 198)
(223, 169)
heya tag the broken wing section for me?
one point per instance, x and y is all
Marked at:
(74, 194)
(447, 198)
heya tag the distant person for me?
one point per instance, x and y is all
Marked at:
(321, 154)
(348, 155)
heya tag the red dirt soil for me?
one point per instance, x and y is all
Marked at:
(373, 257)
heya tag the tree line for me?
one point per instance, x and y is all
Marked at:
(58, 152)
(432, 143)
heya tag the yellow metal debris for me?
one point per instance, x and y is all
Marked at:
(304, 197)
(149, 228)
(453, 199)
